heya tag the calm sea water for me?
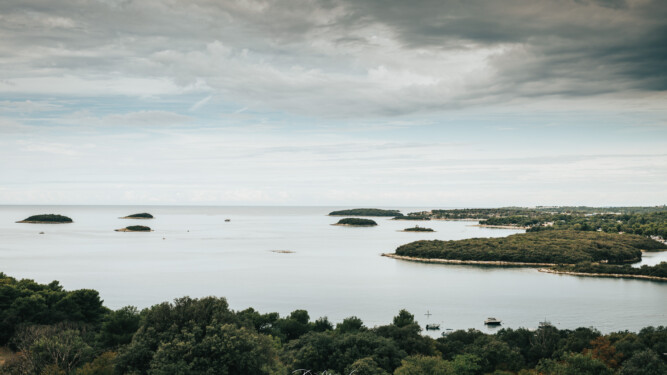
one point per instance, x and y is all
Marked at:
(333, 271)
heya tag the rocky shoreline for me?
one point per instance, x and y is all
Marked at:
(616, 275)
(471, 262)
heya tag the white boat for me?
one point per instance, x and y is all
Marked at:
(433, 326)
(492, 322)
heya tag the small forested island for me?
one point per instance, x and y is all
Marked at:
(356, 222)
(566, 250)
(135, 228)
(143, 215)
(366, 212)
(46, 219)
(417, 228)
(46, 329)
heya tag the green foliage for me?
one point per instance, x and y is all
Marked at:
(164, 323)
(143, 215)
(49, 218)
(357, 222)
(138, 228)
(419, 365)
(418, 229)
(118, 327)
(102, 365)
(26, 302)
(647, 221)
(351, 324)
(645, 362)
(365, 366)
(317, 351)
(659, 270)
(54, 349)
(202, 336)
(574, 364)
(366, 212)
(219, 349)
(541, 247)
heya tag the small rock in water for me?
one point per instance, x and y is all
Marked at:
(41, 232)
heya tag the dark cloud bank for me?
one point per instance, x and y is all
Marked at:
(566, 48)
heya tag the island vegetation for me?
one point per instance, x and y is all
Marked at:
(356, 222)
(143, 215)
(48, 330)
(46, 219)
(646, 221)
(657, 271)
(366, 212)
(135, 228)
(417, 228)
(554, 247)
(412, 216)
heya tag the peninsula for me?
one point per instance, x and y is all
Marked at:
(566, 251)
(46, 219)
(143, 215)
(135, 228)
(356, 222)
(555, 247)
(366, 212)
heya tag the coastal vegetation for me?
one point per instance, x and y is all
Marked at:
(366, 212)
(646, 221)
(48, 330)
(135, 228)
(418, 229)
(659, 270)
(556, 247)
(143, 215)
(47, 219)
(353, 221)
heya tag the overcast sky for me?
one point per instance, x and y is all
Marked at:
(352, 103)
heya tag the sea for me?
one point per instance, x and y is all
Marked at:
(280, 259)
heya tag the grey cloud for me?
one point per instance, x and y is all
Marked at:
(343, 58)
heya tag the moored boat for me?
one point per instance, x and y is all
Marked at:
(492, 322)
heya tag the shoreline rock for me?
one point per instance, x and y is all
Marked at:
(616, 275)
(43, 222)
(353, 225)
(470, 262)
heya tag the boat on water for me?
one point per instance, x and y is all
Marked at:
(447, 332)
(228, 220)
(492, 322)
(433, 326)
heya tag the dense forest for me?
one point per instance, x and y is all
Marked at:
(659, 270)
(366, 212)
(561, 247)
(48, 330)
(47, 218)
(357, 222)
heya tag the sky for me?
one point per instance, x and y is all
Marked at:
(334, 102)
